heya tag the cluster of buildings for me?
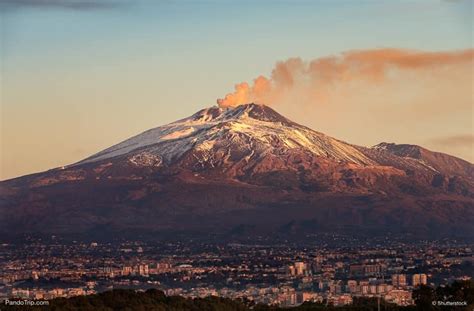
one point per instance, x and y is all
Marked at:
(285, 275)
(417, 279)
(302, 283)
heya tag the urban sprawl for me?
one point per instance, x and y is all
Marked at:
(284, 273)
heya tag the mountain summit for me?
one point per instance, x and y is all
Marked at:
(232, 135)
(245, 167)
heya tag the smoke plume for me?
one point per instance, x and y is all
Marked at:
(313, 82)
(370, 96)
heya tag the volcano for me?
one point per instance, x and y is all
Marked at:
(239, 172)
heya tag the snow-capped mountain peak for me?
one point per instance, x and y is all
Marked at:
(221, 168)
(250, 130)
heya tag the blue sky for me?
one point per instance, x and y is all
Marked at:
(87, 74)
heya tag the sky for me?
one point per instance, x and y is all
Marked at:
(79, 76)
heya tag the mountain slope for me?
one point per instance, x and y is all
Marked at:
(440, 162)
(247, 167)
(247, 127)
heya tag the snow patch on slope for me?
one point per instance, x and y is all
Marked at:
(247, 127)
(178, 134)
(145, 159)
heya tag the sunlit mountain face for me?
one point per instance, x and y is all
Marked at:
(241, 172)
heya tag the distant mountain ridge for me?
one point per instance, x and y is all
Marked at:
(441, 162)
(245, 167)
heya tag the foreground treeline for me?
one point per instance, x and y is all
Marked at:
(425, 298)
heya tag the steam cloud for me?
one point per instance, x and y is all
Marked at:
(315, 81)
